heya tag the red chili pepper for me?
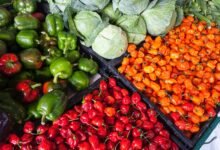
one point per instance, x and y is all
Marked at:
(9, 64)
(29, 89)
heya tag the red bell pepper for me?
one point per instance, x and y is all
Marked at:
(29, 89)
(10, 64)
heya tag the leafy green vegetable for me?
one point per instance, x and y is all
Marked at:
(79, 5)
(135, 27)
(111, 13)
(160, 18)
(88, 25)
(111, 42)
(130, 7)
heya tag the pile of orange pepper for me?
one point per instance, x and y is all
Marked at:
(180, 72)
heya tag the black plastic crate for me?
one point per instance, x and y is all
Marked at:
(111, 65)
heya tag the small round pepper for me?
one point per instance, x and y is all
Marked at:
(5, 17)
(31, 58)
(61, 68)
(79, 80)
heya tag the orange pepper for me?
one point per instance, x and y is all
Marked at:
(199, 111)
(164, 101)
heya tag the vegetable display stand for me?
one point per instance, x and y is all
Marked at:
(111, 65)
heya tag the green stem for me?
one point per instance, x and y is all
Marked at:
(36, 85)
(43, 119)
(55, 79)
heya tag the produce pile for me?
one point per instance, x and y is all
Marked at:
(118, 22)
(180, 72)
(39, 59)
(110, 117)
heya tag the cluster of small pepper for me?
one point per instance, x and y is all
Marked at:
(180, 73)
(38, 59)
(109, 118)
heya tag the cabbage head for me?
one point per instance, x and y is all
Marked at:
(88, 25)
(161, 17)
(92, 5)
(111, 42)
(111, 13)
(130, 7)
(135, 27)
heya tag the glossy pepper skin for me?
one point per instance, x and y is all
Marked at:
(67, 41)
(50, 86)
(52, 105)
(25, 6)
(72, 56)
(32, 111)
(79, 80)
(54, 24)
(12, 107)
(51, 54)
(27, 38)
(47, 41)
(8, 35)
(31, 58)
(3, 47)
(10, 64)
(26, 22)
(5, 17)
(29, 90)
(61, 68)
(88, 65)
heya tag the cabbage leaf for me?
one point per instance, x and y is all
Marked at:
(92, 5)
(111, 13)
(111, 42)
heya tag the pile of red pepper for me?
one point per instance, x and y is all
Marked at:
(109, 118)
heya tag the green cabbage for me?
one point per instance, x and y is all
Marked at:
(130, 7)
(161, 17)
(112, 14)
(88, 25)
(79, 5)
(135, 27)
(111, 42)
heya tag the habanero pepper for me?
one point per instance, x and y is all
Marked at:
(52, 105)
(60, 68)
(88, 65)
(29, 90)
(5, 17)
(31, 58)
(67, 41)
(25, 6)
(10, 64)
(54, 24)
(26, 22)
(27, 38)
(79, 80)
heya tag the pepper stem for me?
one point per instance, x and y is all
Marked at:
(55, 79)
(35, 85)
(43, 118)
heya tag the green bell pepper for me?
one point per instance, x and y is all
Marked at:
(5, 17)
(27, 38)
(67, 41)
(43, 74)
(8, 35)
(72, 56)
(60, 68)
(25, 6)
(32, 111)
(54, 24)
(25, 22)
(52, 105)
(88, 65)
(79, 80)
(9, 105)
(31, 58)
(3, 47)
(51, 54)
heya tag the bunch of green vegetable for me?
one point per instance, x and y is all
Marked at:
(206, 10)
(93, 21)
